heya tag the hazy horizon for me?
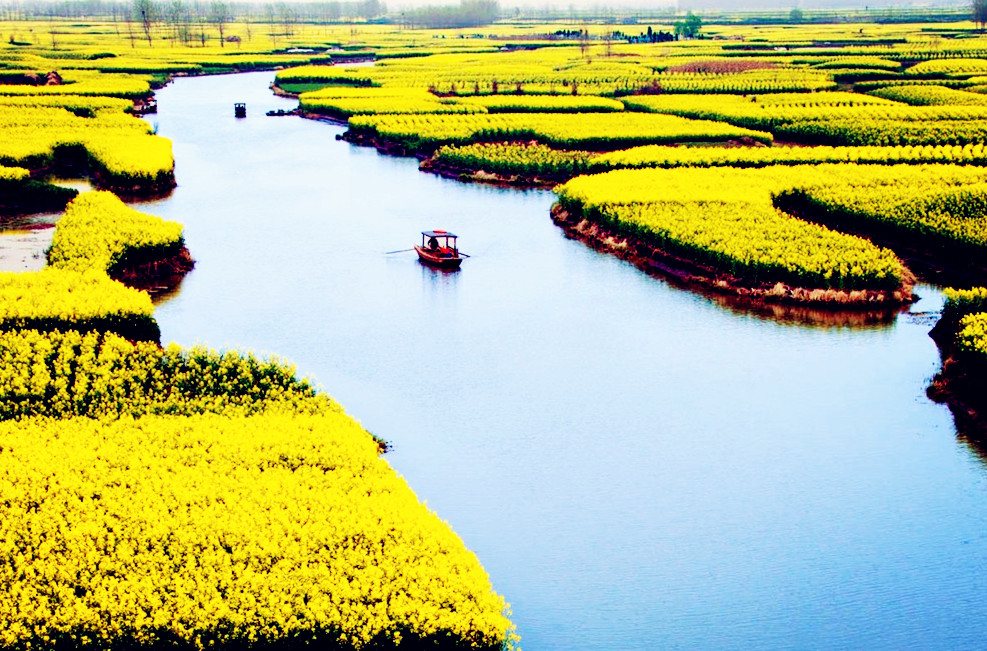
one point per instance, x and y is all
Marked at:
(718, 5)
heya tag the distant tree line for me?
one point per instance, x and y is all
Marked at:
(980, 13)
(324, 11)
(469, 13)
(661, 36)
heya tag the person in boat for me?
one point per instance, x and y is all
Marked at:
(433, 244)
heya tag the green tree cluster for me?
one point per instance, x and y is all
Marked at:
(691, 26)
(980, 13)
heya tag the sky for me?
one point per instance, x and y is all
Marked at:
(723, 4)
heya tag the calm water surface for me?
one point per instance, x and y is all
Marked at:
(635, 466)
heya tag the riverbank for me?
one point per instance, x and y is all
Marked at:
(960, 384)
(692, 274)
(469, 175)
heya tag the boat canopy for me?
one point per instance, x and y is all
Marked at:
(438, 234)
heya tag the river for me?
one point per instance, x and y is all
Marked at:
(636, 466)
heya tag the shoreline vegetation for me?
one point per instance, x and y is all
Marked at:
(687, 271)
(695, 275)
(85, 384)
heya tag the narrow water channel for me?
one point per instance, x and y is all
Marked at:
(635, 466)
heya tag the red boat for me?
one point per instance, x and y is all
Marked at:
(439, 249)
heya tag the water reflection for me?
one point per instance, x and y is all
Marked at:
(437, 277)
(805, 316)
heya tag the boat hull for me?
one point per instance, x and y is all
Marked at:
(434, 260)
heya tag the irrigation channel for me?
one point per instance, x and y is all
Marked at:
(636, 466)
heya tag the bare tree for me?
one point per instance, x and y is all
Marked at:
(145, 12)
(288, 18)
(980, 13)
(219, 14)
(180, 22)
(130, 34)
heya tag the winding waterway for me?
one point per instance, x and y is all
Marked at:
(636, 466)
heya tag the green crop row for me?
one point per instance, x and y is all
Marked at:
(507, 159)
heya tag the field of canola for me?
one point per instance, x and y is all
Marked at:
(551, 114)
(343, 553)
(833, 116)
(267, 516)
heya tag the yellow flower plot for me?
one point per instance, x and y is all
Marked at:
(214, 530)
(91, 83)
(965, 301)
(931, 95)
(508, 159)
(541, 160)
(663, 156)
(933, 204)
(13, 173)
(602, 131)
(972, 337)
(544, 103)
(98, 230)
(726, 218)
(62, 298)
(122, 151)
(102, 375)
(381, 103)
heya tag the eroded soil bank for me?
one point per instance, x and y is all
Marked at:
(685, 272)
(155, 275)
(694, 275)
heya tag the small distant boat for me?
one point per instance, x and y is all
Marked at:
(143, 107)
(439, 249)
(240, 109)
